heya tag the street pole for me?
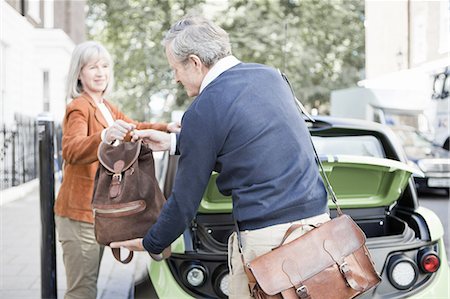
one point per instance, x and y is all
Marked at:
(47, 200)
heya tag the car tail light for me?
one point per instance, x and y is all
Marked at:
(402, 272)
(429, 261)
(221, 280)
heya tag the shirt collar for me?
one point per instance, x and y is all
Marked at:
(221, 66)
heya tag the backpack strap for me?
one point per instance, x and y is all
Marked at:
(116, 253)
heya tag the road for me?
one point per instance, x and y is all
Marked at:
(439, 203)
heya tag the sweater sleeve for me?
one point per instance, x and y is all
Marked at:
(197, 159)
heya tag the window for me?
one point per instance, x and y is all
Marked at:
(49, 14)
(364, 145)
(34, 10)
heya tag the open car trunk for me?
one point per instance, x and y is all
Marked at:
(367, 189)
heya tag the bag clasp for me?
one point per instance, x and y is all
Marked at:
(302, 292)
(117, 176)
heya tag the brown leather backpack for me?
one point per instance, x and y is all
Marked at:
(127, 199)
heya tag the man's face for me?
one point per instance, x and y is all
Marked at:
(188, 73)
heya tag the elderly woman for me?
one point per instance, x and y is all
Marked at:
(89, 120)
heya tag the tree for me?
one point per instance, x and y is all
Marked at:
(132, 31)
(319, 44)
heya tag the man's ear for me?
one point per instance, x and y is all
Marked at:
(196, 60)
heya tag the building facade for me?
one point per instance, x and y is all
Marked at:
(405, 34)
(36, 42)
(408, 48)
(37, 38)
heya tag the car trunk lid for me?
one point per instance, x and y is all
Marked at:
(358, 182)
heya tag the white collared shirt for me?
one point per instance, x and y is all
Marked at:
(221, 66)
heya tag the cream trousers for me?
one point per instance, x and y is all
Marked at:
(257, 242)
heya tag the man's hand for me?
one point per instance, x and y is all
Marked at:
(157, 140)
(118, 130)
(132, 245)
(136, 245)
(174, 127)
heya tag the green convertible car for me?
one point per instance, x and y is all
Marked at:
(367, 168)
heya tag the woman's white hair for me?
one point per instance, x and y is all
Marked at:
(199, 36)
(83, 54)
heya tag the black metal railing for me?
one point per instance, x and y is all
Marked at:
(19, 154)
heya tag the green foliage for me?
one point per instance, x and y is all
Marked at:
(319, 44)
(132, 31)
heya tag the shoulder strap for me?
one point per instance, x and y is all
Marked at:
(302, 110)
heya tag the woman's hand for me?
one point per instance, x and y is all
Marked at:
(157, 140)
(117, 131)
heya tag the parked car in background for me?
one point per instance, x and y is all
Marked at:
(431, 159)
(368, 170)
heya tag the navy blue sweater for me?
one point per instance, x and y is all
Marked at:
(244, 125)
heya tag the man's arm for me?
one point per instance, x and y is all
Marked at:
(198, 157)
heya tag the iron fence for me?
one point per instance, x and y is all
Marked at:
(19, 151)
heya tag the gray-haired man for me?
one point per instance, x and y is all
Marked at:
(243, 124)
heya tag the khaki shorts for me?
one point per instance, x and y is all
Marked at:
(256, 243)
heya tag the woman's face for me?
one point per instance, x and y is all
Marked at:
(94, 76)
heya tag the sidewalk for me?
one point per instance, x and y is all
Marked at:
(20, 256)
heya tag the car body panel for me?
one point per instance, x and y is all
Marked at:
(164, 283)
(435, 227)
(178, 245)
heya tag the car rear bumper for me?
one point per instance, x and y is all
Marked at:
(439, 287)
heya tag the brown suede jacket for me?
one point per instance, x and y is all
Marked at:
(82, 127)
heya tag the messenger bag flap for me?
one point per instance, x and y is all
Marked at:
(314, 251)
(125, 152)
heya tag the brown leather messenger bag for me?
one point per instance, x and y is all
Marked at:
(329, 261)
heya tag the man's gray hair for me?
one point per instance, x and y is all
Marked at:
(81, 55)
(199, 36)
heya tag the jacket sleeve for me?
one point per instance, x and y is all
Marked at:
(197, 160)
(78, 147)
(139, 125)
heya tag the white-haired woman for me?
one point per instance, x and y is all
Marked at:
(89, 120)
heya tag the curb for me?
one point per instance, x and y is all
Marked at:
(17, 192)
